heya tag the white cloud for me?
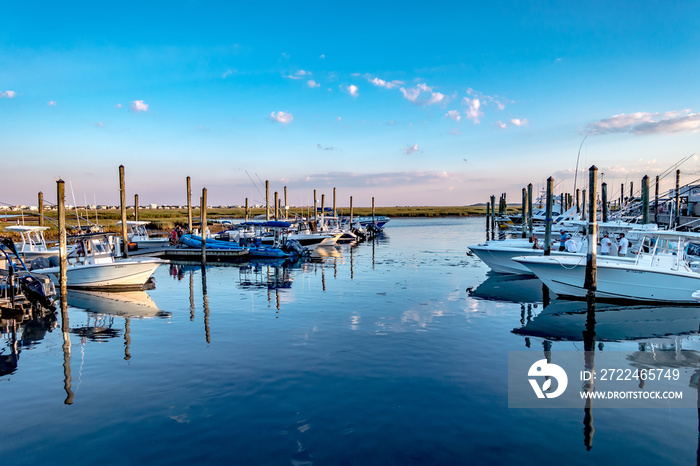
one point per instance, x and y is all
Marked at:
(501, 124)
(7, 94)
(51, 103)
(138, 106)
(118, 106)
(352, 89)
(301, 74)
(435, 98)
(322, 57)
(410, 94)
(385, 84)
(422, 94)
(646, 123)
(473, 111)
(519, 122)
(454, 132)
(410, 149)
(100, 124)
(325, 147)
(282, 117)
(227, 73)
(454, 114)
(312, 83)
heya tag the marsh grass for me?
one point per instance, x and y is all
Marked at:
(162, 221)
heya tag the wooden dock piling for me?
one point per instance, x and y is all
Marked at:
(136, 207)
(62, 240)
(351, 212)
(203, 221)
(591, 279)
(529, 211)
(246, 209)
(276, 206)
(286, 206)
(645, 199)
(523, 215)
(189, 206)
(122, 200)
(548, 217)
(41, 208)
(604, 200)
(677, 210)
(656, 201)
(267, 200)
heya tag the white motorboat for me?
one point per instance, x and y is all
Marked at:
(498, 254)
(139, 234)
(660, 272)
(33, 244)
(96, 267)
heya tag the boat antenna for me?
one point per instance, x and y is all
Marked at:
(94, 197)
(75, 204)
(256, 186)
(577, 159)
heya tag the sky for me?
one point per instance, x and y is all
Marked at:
(413, 103)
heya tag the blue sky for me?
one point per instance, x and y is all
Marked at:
(415, 103)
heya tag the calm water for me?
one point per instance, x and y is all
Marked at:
(392, 352)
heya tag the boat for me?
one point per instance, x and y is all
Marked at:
(376, 221)
(195, 241)
(499, 254)
(18, 285)
(139, 234)
(661, 271)
(97, 268)
(33, 244)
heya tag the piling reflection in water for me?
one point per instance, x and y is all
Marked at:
(22, 331)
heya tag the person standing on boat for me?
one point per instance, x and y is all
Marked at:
(623, 245)
(571, 245)
(605, 245)
(562, 240)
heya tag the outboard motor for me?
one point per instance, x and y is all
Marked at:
(294, 247)
(40, 263)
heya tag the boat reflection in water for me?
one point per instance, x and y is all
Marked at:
(137, 304)
(564, 320)
(658, 330)
(23, 332)
(512, 288)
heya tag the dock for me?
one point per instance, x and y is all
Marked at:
(191, 254)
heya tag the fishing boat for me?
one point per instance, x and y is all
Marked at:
(96, 267)
(33, 244)
(660, 272)
(18, 284)
(139, 234)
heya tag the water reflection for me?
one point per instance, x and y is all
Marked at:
(511, 288)
(659, 331)
(22, 332)
(565, 320)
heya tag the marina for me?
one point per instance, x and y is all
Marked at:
(256, 234)
(387, 351)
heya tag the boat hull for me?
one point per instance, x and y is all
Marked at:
(616, 279)
(130, 274)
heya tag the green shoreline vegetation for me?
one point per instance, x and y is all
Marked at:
(166, 219)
